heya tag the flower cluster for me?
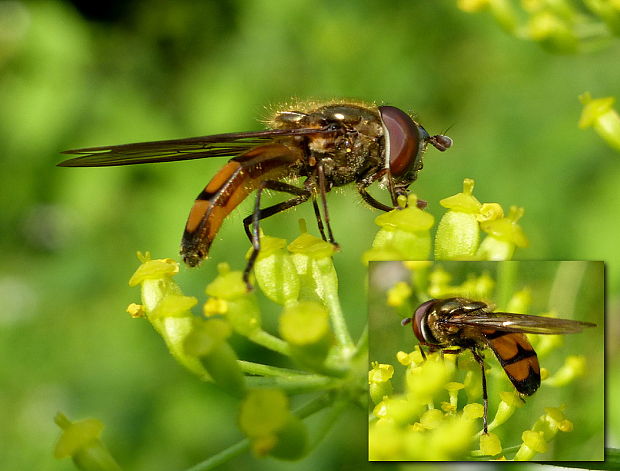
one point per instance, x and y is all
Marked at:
(406, 233)
(558, 25)
(599, 114)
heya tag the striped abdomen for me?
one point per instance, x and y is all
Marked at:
(517, 357)
(226, 190)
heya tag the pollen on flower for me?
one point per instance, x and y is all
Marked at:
(490, 212)
(404, 358)
(447, 407)
(215, 306)
(136, 310)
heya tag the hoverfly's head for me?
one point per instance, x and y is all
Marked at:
(405, 142)
(419, 323)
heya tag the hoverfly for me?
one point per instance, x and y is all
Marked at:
(467, 324)
(329, 145)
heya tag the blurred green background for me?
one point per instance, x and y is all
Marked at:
(73, 76)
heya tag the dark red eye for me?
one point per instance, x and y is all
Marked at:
(404, 139)
(420, 328)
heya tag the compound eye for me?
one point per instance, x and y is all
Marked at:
(419, 322)
(404, 139)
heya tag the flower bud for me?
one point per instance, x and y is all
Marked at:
(490, 444)
(404, 234)
(80, 441)
(503, 236)
(533, 442)
(313, 263)
(608, 11)
(229, 296)
(553, 32)
(458, 232)
(600, 114)
(507, 406)
(275, 271)
(305, 326)
(379, 380)
(165, 307)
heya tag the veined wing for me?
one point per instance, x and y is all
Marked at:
(217, 145)
(509, 322)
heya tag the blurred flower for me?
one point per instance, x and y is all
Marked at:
(600, 114)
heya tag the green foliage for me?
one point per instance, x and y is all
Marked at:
(561, 26)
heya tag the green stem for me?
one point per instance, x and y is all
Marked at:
(294, 384)
(265, 339)
(314, 405)
(362, 343)
(259, 369)
(223, 456)
(341, 331)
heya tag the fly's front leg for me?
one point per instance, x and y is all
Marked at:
(258, 214)
(369, 180)
(395, 191)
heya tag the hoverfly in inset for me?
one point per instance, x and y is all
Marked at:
(466, 324)
(330, 145)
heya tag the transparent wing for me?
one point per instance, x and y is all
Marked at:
(509, 322)
(217, 145)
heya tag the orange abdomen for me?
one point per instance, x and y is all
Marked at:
(226, 190)
(517, 357)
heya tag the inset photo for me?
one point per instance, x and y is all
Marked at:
(476, 361)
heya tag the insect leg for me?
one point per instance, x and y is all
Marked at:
(422, 352)
(317, 215)
(485, 398)
(323, 189)
(258, 214)
(302, 196)
(369, 180)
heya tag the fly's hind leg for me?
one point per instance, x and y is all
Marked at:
(253, 219)
(485, 399)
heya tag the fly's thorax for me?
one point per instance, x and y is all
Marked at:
(431, 326)
(355, 147)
